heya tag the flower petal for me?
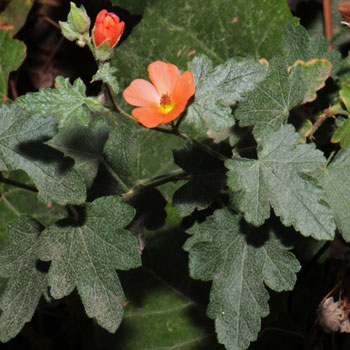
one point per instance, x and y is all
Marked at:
(150, 117)
(164, 77)
(184, 88)
(141, 93)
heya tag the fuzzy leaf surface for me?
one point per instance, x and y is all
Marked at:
(297, 45)
(85, 257)
(108, 75)
(315, 73)
(21, 147)
(25, 283)
(184, 28)
(65, 102)
(239, 263)
(122, 153)
(217, 89)
(336, 182)
(84, 145)
(267, 106)
(284, 178)
(11, 57)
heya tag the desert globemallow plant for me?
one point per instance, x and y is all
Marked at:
(178, 208)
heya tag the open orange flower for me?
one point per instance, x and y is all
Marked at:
(163, 101)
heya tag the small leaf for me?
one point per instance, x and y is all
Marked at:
(297, 45)
(342, 134)
(11, 57)
(239, 261)
(218, 89)
(344, 94)
(86, 257)
(315, 73)
(25, 283)
(66, 102)
(336, 182)
(107, 74)
(84, 145)
(284, 178)
(21, 147)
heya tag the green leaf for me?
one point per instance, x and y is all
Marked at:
(267, 106)
(175, 31)
(122, 153)
(283, 177)
(297, 45)
(315, 73)
(156, 156)
(15, 14)
(84, 145)
(218, 89)
(11, 57)
(107, 74)
(336, 182)
(66, 102)
(238, 260)
(85, 255)
(21, 147)
(136, 7)
(342, 134)
(207, 179)
(344, 94)
(15, 201)
(25, 283)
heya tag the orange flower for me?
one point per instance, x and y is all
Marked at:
(107, 27)
(163, 101)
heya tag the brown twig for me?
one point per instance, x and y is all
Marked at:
(327, 16)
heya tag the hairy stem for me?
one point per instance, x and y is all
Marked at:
(156, 181)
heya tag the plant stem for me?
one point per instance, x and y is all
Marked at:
(115, 104)
(18, 184)
(336, 109)
(327, 16)
(202, 146)
(114, 175)
(156, 181)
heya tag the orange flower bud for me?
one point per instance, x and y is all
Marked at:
(107, 27)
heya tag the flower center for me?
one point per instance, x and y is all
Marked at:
(166, 104)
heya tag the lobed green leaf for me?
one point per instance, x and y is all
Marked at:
(238, 261)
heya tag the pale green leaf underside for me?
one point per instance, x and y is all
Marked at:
(108, 75)
(238, 299)
(336, 182)
(86, 257)
(12, 54)
(281, 178)
(25, 284)
(65, 102)
(21, 147)
(217, 89)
